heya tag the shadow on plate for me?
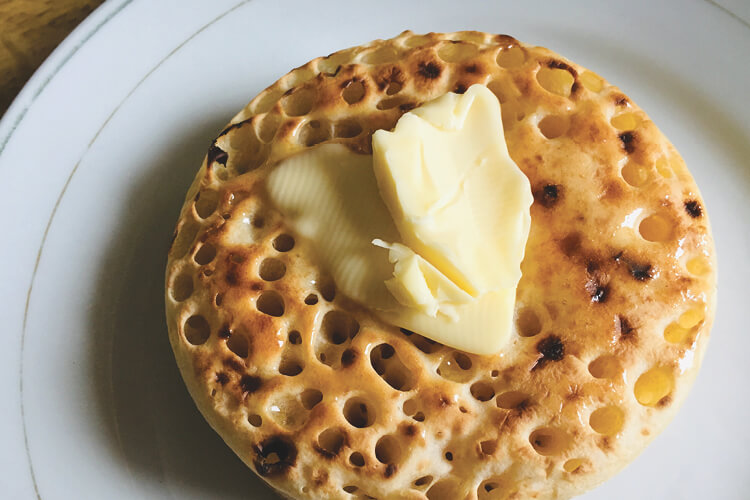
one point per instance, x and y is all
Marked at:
(152, 421)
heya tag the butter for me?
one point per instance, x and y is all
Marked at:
(429, 232)
(456, 196)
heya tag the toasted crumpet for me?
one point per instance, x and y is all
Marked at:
(323, 400)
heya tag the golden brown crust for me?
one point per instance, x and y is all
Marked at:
(322, 400)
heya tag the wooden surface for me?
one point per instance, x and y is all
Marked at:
(29, 31)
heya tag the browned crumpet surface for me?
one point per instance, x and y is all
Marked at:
(323, 400)
(29, 31)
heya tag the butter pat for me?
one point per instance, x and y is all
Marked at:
(455, 195)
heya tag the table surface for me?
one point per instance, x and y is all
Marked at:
(29, 31)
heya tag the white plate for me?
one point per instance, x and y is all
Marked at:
(98, 150)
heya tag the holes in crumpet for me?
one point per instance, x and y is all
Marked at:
(607, 367)
(268, 127)
(255, 420)
(267, 100)
(427, 346)
(555, 80)
(357, 413)
(354, 92)
(311, 299)
(384, 54)
(283, 243)
(350, 488)
(662, 167)
(457, 51)
(299, 102)
(653, 386)
(387, 364)
(271, 269)
(356, 459)
(549, 441)
(331, 440)
(206, 203)
(445, 489)
(290, 366)
(511, 57)
(295, 338)
(388, 450)
(327, 288)
(184, 240)
(634, 174)
(237, 343)
(591, 81)
(573, 464)
(182, 287)
(607, 421)
(488, 447)
(313, 132)
(656, 228)
(196, 329)
(528, 323)
(626, 121)
(553, 126)
(495, 488)
(205, 254)
(310, 398)
(482, 391)
(691, 317)
(675, 334)
(698, 266)
(338, 327)
(347, 129)
(423, 481)
(270, 302)
(416, 41)
(456, 367)
(393, 88)
(512, 400)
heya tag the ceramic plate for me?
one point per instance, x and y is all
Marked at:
(98, 150)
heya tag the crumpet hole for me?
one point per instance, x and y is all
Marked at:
(528, 323)
(357, 413)
(205, 254)
(511, 57)
(512, 400)
(299, 102)
(327, 289)
(655, 228)
(271, 269)
(607, 421)
(607, 367)
(393, 88)
(410, 407)
(482, 391)
(555, 80)
(494, 488)
(386, 363)
(182, 288)
(416, 41)
(698, 266)
(268, 127)
(313, 132)
(290, 367)
(626, 121)
(237, 343)
(255, 420)
(197, 329)
(653, 386)
(634, 174)
(455, 367)
(384, 54)
(283, 243)
(573, 465)
(591, 81)
(311, 299)
(310, 398)
(184, 240)
(354, 92)
(675, 334)
(553, 126)
(331, 440)
(347, 129)
(356, 459)
(457, 52)
(350, 488)
(427, 346)
(388, 450)
(423, 481)
(295, 338)
(691, 317)
(266, 101)
(338, 327)
(206, 203)
(445, 489)
(662, 167)
(549, 441)
(270, 302)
